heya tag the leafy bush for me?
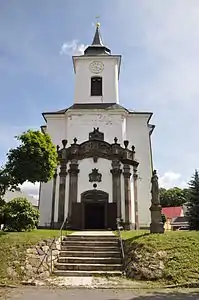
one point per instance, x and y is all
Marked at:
(20, 215)
(164, 219)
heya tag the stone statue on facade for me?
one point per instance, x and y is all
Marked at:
(156, 225)
(155, 189)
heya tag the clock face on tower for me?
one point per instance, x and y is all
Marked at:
(96, 67)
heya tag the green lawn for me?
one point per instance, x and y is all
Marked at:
(13, 247)
(181, 262)
(182, 248)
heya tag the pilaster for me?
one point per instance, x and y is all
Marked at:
(53, 199)
(62, 189)
(73, 184)
(116, 185)
(127, 196)
(135, 187)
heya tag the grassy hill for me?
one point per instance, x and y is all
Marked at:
(181, 263)
(182, 252)
(13, 248)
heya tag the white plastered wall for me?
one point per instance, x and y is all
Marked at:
(80, 124)
(104, 166)
(57, 128)
(45, 203)
(109, 79)
(132, 127)
(138, 135)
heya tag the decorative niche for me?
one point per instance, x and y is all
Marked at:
(95, 176)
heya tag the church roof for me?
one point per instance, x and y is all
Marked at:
(96, 106)
(86, 106)
(97, 47)
(97, 40)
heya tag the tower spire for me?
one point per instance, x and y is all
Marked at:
(97, 47)
(97, 40)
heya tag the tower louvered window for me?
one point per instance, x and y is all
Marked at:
(96, 86)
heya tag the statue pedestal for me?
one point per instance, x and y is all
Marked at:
(129, 226)
(156, 228)
(156, 225)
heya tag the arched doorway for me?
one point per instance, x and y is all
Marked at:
(94, 209)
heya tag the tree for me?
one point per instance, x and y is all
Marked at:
(193, 205)
(164, 219)
(172, 197)
(20, 215)
(163, 197)
(34, 159)
(6, 182)
(186, 192)
(2, 204)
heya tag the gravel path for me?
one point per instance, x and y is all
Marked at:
(32, 293)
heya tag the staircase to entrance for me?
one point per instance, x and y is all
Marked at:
(89, 253)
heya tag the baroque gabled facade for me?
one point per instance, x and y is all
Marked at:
(104, 150)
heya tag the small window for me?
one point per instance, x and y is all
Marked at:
(96, 86)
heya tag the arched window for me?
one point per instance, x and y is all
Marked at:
(96, 86)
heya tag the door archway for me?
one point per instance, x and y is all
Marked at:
(94, 209)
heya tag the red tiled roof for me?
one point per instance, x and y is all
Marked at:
(172, 212)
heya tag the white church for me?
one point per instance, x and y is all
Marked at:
(104, 150)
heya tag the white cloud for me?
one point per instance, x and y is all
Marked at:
(170, 179)
(31, 189)
(162, 38)
(168, 33)
(72, 48)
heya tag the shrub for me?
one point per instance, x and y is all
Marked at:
(20, 215)
(164, 219)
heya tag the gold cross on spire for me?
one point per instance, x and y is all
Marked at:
(97, 23)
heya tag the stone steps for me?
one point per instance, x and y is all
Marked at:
(90, 243)
(86, 273)
(90, 238)
(88, 267)
(99, 248)
(89, 255)
(89, 260)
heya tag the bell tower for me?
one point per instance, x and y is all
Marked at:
(96, 73)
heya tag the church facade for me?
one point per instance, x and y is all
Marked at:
(104, 150)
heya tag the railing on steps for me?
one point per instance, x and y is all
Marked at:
(119, 228)
(65, 222)
(64, 225)
(46, 256)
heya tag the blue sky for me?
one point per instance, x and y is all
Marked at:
(159, 44)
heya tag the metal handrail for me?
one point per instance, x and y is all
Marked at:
(46, 253)
(119, 227)
(62, 226)
(51, 245)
